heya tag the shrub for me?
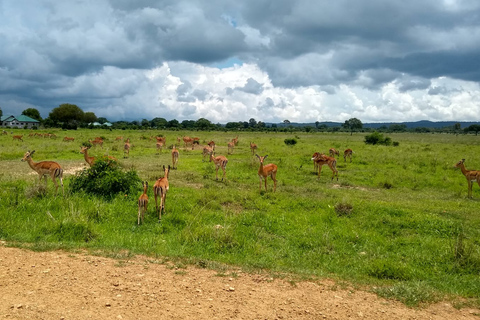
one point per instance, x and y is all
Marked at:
(290, 142)
(105, 180)
(378, 138)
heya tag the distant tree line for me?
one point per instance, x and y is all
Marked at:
(70, 116)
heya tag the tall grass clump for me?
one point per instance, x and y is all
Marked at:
(105, 179)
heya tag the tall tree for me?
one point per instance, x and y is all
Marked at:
(90, 117)
(102, 120)
(67, 113)
(353, 124)
(32, 113)
(158, 123)
(203, 124)
(473, 128)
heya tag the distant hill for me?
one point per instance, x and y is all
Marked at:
(375, 125)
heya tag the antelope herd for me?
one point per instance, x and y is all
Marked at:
(161, 186)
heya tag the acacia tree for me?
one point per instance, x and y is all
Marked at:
(353, 124)
(473, 128)
(90, 117)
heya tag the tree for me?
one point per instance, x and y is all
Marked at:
(352, 125)
(1, 112)
(252, 123)
(173, 124)
(473, 128)
(286, 121)
(145, 123)
(102, 120)
(32, 113)
(158, 123)
(203, 124)
(67, 113)
(188, 124)
(90, 117)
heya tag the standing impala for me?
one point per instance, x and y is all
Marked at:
(126, 148)
(143, 202)
(347, 154)
(253, 147)
(207, 151)
(265, 171)
(160, 189)
(334, 152)
(174, 157)
(471, 175)
(230, 147)
(91, 160)
(220, 162)
(46, 168)
(321, 160)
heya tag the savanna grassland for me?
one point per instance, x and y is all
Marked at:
(397, 222)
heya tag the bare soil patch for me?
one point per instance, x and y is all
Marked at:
(62, 285)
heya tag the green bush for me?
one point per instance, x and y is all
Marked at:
(290, 142)
(378, 138)
(105, 180)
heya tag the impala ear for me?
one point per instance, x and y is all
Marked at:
(265, 157)
(163, 167)
(168, 167)
(257, 156)
(32, 152)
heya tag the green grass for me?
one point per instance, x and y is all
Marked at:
(398, 221)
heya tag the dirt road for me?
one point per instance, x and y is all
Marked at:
(62, 285)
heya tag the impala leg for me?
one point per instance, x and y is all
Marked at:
(469, 188)
(274, 182)
(266, 184)
(260, 180)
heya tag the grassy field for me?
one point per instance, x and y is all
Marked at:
(397, 222)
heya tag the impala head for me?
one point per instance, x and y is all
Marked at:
(145, 185)
(83, 149)
(459, 163)
(262, 158)
(27, 155)
(166, 170)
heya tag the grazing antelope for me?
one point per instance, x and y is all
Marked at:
(253, 147)
(322, 160)
(235, 140)
(119, 139)
(334, 152)
(174, 157)
(160, 189)
(46, 168)
(91, 160)
(143, 203)
(220, 162)
(265, 171)
(206, 152)
(347, 154)
(68, 139)
(161, 141)
(230, 147)
(96, 142)
(471, 175)
(187, 141)
(18, 138)
(195, 141)
(211, 144)
(126, 148)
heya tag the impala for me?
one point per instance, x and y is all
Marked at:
(220, 162)
(347, 154)
(471, 175)
(211, 144)
(322, 160)
(253, 147)
(46, 168)
(161, 141)
(235, 140)
(68, 139)
(160, 189)
(91, 160)
(126, 148)
(265, 171)
(96, 142)
(174, 157)
(230, 146)
(143, 203)
(18, 138)
(334, 152)
(118, 138)
(187, 141)
(207, 151)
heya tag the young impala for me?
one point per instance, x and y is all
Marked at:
(91, 160)
(46, 168)
(220, 162)
(230, 146)
(143, 202)
(253, 147)
(322, 160)
(265, 171)
(160, 189)
(126, 148)
(174, 157)
(207, 151)
(347, 154)
(471, 175)
(334, 152)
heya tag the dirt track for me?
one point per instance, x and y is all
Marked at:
(60, 285)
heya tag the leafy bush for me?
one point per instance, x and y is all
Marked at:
(290, 142)
(105, 180)
(378, 138)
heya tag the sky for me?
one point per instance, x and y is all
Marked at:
(232, 60)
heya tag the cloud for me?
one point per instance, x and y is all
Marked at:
(228, 60)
